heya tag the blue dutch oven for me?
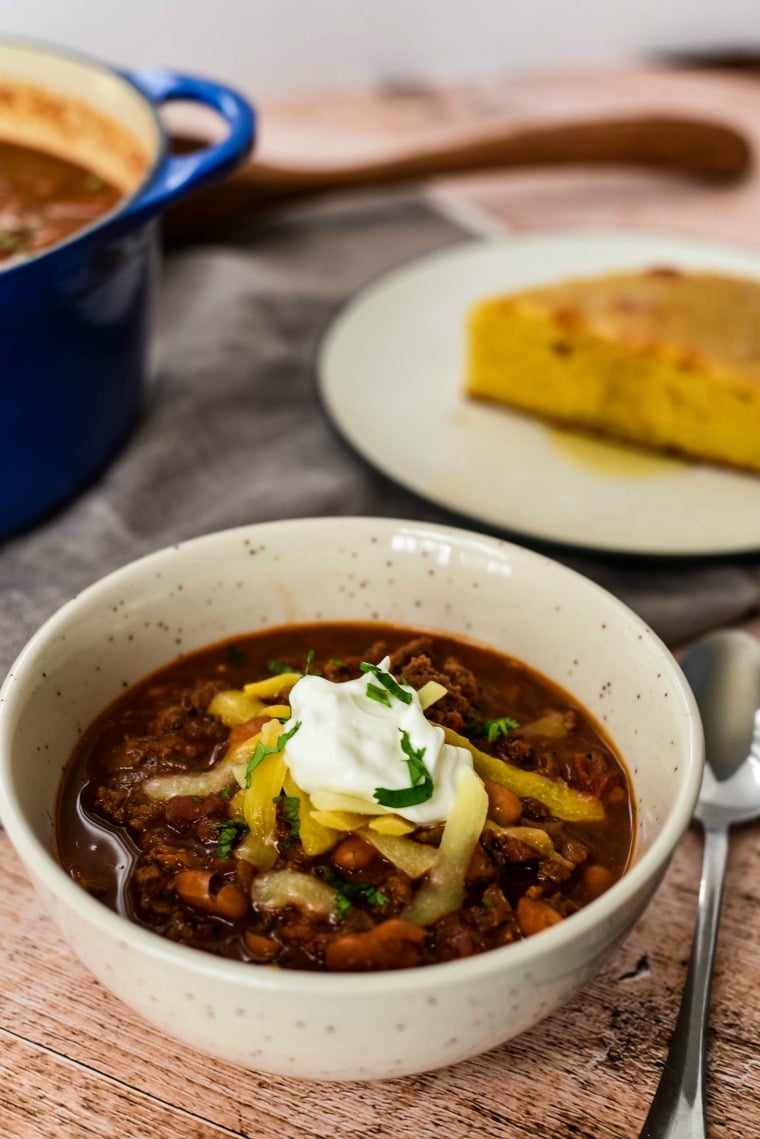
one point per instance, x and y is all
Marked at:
(75, 318)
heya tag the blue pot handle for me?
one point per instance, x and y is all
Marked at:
(179, 175)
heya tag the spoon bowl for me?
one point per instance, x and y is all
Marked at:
(723, 670)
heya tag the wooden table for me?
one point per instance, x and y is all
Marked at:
(75, 1062)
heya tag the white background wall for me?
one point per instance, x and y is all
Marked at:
(275, 47)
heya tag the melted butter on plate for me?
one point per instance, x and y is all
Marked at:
(612, 458)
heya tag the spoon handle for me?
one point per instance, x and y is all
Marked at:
(678, 1108)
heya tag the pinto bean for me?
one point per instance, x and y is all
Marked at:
(231, 902)
(353, 853)
(195, 888)
(503, 805)
(260, 947)
(596, 879)
(239, 733)
(394, 944)
(533, 915)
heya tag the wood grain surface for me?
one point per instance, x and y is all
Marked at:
(76, 1063)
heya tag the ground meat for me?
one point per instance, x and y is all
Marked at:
(177, 882)
(551, 871)
(152, 895)
(110, 802)
(573, 849)
(199, 816)
(590, 771)
(504, 848)
(453, 938)
(454, 710)
(481, 868)
(172, 859)
(495, 910)
(516, 751)
(142, 814)
(462, 679)
(397, 887)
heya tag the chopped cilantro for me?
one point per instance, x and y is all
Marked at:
(381, 695)
(421, 788)
(198, 798)
(278, 667)
(227, 792)
(501, 727)
(387, 681)
(371, 894)
(414, 759)
(228, 833)
(349, 892)
(342, 904)
(263, 750)
(290, 806)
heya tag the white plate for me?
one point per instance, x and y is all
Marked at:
(390, 376)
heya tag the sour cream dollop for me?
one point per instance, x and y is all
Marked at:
(350, 744)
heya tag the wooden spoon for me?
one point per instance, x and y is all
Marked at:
(694, 147)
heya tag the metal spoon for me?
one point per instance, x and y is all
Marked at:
(723, 670)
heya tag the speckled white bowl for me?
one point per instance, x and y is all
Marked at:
(346, 1026)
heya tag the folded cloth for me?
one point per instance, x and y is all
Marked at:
(233, 431)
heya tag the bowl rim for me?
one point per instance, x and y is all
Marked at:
(642, 876)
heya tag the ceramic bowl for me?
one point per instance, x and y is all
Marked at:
(340, 1026)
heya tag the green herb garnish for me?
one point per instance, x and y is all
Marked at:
(278, 667)
(387, 681)
(290, 807)
(9, 243)
(421, 788)
(228, 833)
(342, 905)
(381, 695)
(501, 727)
(349, 892)
(263, 750)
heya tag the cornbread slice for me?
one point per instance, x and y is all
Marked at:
(661, 358)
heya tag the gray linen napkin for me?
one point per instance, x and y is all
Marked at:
(233, 431)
